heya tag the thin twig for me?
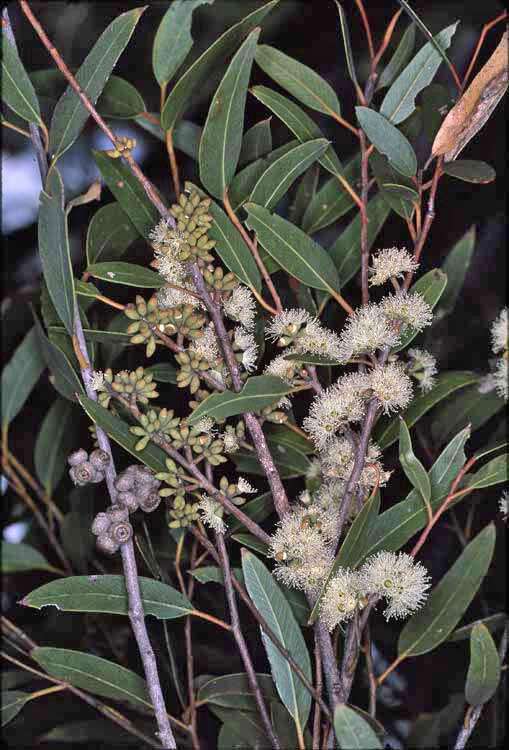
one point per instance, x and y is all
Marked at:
(485, 29)
(173, 163)
(364, 221)
(370, 670)
(367, 27)
(319, 687)
(387, 38)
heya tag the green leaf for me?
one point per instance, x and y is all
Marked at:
(12, 700)
(399, 59)
(54, 442)
(213, 574)
(109, 234)
(399, 102)
(353, 732)
(86, 289)
(303, 195)
(17, 89)
(449, 600)
(413, 468)
(17, 558)
(151, 456)
(221, 139)
(292, 249)
(240, 729)
(455, 267)
(275, 182)
(93, 732)
(93, 335)
(199, 71)
(495, 471)
(163, 372)
(396, 190)
(256, 142)
(470, 407)
(281, 434)
(299, 80)
(107, 593)
(274, 608)
(173, 40)
(128, 192)
(491, 623)
(250, 541)
(470, 170)
(289, 461)
(64, 376)
(300, 124)
(129, 274)
(393, 528)
(346, 251)
(387, 431)
(347, 44)
(331, 201)
(54, 249)
(312, 359)
(258, 392)
(186, 136)
(232, 249)
(94, 674)
(484, 668)
(257, 509)
(70, 115)
(352, 548)
(233, 691)
(20, 375)
(120, 99)
(245, 180)
(388, 140)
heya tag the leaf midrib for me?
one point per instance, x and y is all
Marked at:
(30, 107)
(55, 598)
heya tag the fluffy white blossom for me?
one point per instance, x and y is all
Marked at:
(339, 404)
(206, 347)
(391, 385)
(241, 306)
(206, 425)
(392, 262)
(97, 380)
(244, 486)
(341, 598)
(211, 514)
(423, 367)
(314, 338)
(168, 297)
(500, 332)
(230, 441)
(503, 504)
(408, 309)
(501, 378)
(366, 331)
(282, 368)
(286, 323)
(396, 577)
(338, 457)
(166, 238)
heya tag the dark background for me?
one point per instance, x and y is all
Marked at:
(309, 31)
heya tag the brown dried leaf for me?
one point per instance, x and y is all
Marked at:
(476, 105)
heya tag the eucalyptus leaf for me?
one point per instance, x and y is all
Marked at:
(163, 372)
(484, 672)
(470, 170)
(491, 623)
(232, 249)
(258, 509)
(472, 406)
(109, 234)
(245, 180)
(19, 557)
(64, 376)
(413, 468)
(256, 142)
(17, 89)
(449, 600)
(12, 700)
(455, 267)
(495, 471)
(128, 274)
(233, 691)
(331, 201)
(388, 140)
(347, 44)
(400, 58)
(70, 114)
(120, 99)
(353, 732)
(54, 442)
(221, 139)
(20, 375)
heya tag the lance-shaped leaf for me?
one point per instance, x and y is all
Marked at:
(256, 142)
(399, 59)
(221, 139)
(399, 102)
(274, 608)
(120, 99)
(98, 676)
(398, 191)
(239, 729)
(129, 274)
(70, 115)
(16, 558)
(347, 44)
(20, 375)
(109, 234)
(107, 593)
(245, 180)
(387, 431)
(65, 378)
(476, 105)
(12, 700)
(455, 267)
(292, 249)
(471, 407)
(388, 140)
(331, 201)
(163, 372)
(346, 251)
(484, 669)
(173, 40)
(299, 80)
(94, 335)
(353, 732)
(258, 392)
(199, 71)
(233, 691)
(495, 471)
(54, 249)
(413, 468)
(449, 600)
(282, 173)
(470, 170)
(54, 442)
(296, 120)
(430, 288)
(17, 89)
(303, 196)
(492, 623)
(128, 192)
(232, 249)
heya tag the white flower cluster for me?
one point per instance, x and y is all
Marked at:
(304, 332)
(394, 577)
(422, 367)
(206, 347)
(244, 341)
(500, 346)
(503, 504)
(166, 243)
(391, 263)
(211, 513)
(241, 307)
(337, 461)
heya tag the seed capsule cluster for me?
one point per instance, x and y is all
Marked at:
(87, 469)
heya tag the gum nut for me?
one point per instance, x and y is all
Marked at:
(124, 482)
(100, 524)
(129, 500)
(98, 476)
(151, 502)
(99, 458)
(121, 532)
(106, 544)
(78, 457)
(82, 473)
(117, 513)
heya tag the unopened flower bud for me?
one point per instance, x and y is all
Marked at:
(78, 457)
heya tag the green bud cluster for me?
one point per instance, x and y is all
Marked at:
(153, 423)
(182, 513)
(200, 443)
(217, 279)
(136, 386)
(185, 320)
(189, 238)
(231, 491)
(146, 317)
(191, 366)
